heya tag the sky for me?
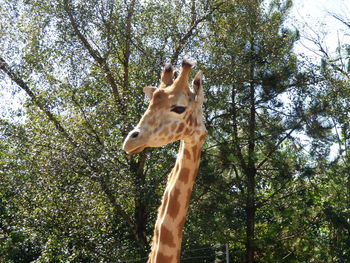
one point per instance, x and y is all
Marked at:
(311, 16)
(316, 14)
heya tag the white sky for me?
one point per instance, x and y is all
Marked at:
(316, 14)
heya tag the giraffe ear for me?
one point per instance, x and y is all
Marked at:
(197, 86)
(149, 91)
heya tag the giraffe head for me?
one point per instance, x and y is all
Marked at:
(174, 112)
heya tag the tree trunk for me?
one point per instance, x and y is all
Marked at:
(140, 212)
(251, 168)
(127, 49)
(250, 216)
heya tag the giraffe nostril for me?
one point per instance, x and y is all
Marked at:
(135, 134)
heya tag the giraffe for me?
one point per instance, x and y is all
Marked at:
(174, 113)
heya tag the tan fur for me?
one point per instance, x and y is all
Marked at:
(159, 126)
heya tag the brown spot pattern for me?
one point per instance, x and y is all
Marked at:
(188, 131)
(189, 120)
(180, 128)
(161, 258)
(173, 126)
(187, 154)
(184, 175)
(156, 129)
(194, 151)
(174, 204)
(166, 237)
(152, 121)
(165, 131)
(178, 256)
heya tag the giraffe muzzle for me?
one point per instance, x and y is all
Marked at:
(132, 143)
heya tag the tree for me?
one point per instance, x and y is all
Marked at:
(334, 94)
(261, 90)
(266, 186)
(80, 66)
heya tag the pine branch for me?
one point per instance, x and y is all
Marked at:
(275, 148)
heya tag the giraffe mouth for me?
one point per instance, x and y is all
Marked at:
(137, 150)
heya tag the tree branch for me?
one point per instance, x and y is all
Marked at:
(341, 19)
(96, 56)
(275, 148)
(42, 105)
(87, 121)
(127, 51)
(118, 208)
(193, 25)
(236, 146)
(38, 102)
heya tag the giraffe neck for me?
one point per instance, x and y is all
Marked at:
(166, 246)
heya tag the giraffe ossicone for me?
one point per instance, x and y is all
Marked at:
(174, 113)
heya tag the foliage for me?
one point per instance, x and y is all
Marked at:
(266, 184)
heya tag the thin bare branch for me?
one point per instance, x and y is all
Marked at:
(193, 25)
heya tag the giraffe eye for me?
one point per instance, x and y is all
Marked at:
(178, 109)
